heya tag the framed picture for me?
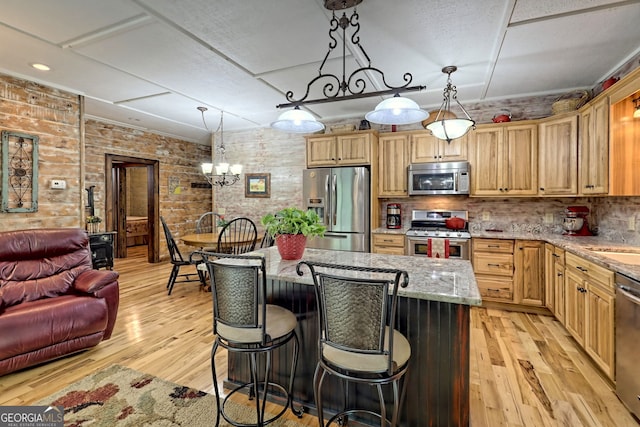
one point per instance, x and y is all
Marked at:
(257, 185)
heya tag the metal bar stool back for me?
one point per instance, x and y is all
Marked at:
(358, 340)
(243, 322)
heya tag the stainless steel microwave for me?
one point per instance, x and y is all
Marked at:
(438, 178)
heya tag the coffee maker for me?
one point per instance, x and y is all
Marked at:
(575, 221)
(394, 215)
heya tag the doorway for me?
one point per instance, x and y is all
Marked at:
(116, 197)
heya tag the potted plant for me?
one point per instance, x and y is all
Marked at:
(290, 228)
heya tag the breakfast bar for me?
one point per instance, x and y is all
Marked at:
(433, 313)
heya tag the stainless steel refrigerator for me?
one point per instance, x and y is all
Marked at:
(340, 196)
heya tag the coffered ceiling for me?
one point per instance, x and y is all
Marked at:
(149, 63)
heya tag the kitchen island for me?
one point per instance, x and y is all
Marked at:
(433, 313)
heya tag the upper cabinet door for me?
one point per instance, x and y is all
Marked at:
(393, 162)
(354, 149)
(558, 165)
(593, 149)
(504, 160)
(426, 148)
(321, 151)
(486, 159)
(520, 170)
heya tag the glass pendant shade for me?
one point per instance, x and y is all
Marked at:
(397, 110)
(297, 121)
(636, 113)
(207, 168)
(449, 129)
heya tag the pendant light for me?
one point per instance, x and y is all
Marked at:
(636, 106)
(225, 174)
(297, 121)
(444, 127)
(395, 110)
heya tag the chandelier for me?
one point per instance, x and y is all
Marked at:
(395, 110)
(446, 125)
(225, 174)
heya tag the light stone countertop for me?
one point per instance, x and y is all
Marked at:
(583, 246)
(435, 279)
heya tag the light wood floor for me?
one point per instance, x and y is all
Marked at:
(525, 369)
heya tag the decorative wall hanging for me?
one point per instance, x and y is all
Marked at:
(257, 185)
(19, 172)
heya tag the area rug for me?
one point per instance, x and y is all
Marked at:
(123, 397)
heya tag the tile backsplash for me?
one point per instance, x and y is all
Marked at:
(614, 218)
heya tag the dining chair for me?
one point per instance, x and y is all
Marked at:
(208, 222)
(238, 236)
(267, 240)
(244, 323)
(178, 262)
(358, 340)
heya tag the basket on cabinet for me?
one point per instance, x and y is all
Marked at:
(569, 102)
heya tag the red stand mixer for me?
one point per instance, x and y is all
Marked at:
(575, 221)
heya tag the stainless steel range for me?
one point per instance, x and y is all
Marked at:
(431, 224)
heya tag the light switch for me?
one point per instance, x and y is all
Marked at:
(58, 184)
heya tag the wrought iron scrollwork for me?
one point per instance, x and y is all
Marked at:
(19, 172)
(353, 86)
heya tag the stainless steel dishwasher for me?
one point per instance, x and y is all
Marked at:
(628, 342)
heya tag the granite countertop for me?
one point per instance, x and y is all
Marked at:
(433, 279)
(584, 246)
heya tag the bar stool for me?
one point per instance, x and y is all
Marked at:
(244, 323)
(358, 342)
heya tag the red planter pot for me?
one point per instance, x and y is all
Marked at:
(291, 246)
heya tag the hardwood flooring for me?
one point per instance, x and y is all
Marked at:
(525, 369)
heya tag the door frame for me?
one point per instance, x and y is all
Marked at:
(115, 179)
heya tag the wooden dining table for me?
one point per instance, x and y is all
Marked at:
(210, 240)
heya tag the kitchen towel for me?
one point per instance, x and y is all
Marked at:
(438, 248)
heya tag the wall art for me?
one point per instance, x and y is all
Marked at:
(19, 172)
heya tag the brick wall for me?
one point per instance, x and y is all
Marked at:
(54, 116)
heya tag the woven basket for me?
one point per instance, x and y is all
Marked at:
(569, 102)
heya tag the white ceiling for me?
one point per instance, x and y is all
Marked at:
(149, 63)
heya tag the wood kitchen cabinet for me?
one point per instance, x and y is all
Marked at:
(590, 305)
(624, 150)
(593, 148)
(554, 281)
(493, 266)
(393, 159)
(426, 148)
(558, 158)
(385, 243)
(351, 149)
(504, 160)
(529, 273)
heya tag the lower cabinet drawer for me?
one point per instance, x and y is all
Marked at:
(494, 264)
(495, 289)
(388, 240)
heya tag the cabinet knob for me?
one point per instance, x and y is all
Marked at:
(541, 188)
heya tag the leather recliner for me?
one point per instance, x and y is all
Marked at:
(52, 302)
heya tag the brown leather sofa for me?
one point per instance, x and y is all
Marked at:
(52, 303)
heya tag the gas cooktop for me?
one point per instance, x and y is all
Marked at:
(431, 223)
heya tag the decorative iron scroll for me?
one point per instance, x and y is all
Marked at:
(19, 172)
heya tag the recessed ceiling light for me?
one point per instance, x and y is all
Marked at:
(41, 67)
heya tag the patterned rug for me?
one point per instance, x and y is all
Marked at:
(123, 397)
